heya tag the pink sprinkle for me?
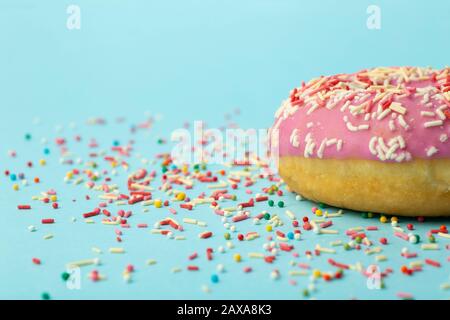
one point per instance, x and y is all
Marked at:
(402, 235)
(326, 224)
(404, 295)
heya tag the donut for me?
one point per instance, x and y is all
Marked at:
(375, 141)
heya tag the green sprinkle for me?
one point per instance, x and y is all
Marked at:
(271, 203)
(227, 236)
(281, 204)
(45, 296)
(432, 239)
(65, 276)
(267, 216)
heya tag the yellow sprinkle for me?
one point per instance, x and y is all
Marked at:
(415, 264)
(151, 262)
(316, 273)
(430, 246)
(269, 228)
(294, 273)
(383, 219)
(15, 187)
(181, 196)
(82, 263)
(116, 250)
(255, 255)
(158, 203)
(111, 222)
(42, 162)
(325, 250)
(319, 213)
(380, 258)
(444, 235)
(237, 257)
(445, 286)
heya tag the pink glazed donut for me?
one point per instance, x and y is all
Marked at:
(376, 140)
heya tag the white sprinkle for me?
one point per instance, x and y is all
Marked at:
(431, 151)
(312, 109)
(383, 114)
(382, 144)
(331, 142)
(443, 137)
(363, 127)
(402, 122)
(390, 153)
(427, 113)
(339, 145)
(392, 125)
(400, 157)
(397, 107)
(380, 153)
(441, 114)
(401, 141)
(434, 123)
(294, 138)
(321, 148)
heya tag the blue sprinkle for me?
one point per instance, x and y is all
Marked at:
(290, 235)
(13, 177)
(215, 278)
(46, 151)
(116, 143)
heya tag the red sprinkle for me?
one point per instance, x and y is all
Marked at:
(192, 268)
(433, 263)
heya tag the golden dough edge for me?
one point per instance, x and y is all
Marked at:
(415, 188)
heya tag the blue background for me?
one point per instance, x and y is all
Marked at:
(185, 60)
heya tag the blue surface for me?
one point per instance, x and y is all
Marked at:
(185, 60)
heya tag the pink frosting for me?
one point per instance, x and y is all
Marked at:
(384, 114)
